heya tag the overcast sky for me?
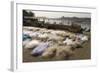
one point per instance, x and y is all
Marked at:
(51, 14)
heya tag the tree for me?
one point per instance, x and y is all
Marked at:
(26, 13)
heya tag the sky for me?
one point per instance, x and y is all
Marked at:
(52, 14)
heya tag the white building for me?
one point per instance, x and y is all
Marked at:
(64, 21)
